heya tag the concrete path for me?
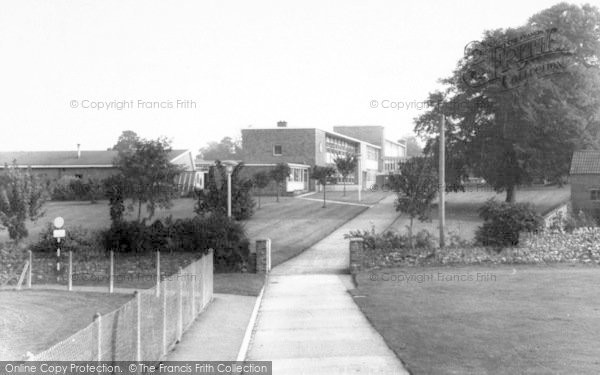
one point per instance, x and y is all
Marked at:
(217, 333)
(309, 324)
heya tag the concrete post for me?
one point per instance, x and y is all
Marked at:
(70, 273)
(179, 305)
(164, 319)
(263, 256)
(98, 320)
(157, 273)
(356, 255)
(138, 327)
(111, 276)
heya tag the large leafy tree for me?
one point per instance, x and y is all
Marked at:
(322, 175)
(416, 187)
(346, 165)
(280, 173)
(22, 196)
(226, 149)
(127, 142)
(148, 176)
(513, 131)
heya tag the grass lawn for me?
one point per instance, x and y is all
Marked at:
(244, 284)
(34, 320)
(367, 197)
(514, 320)
(293, 225)
(461, 209)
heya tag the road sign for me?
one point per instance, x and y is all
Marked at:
(59, 222)
(59, 233)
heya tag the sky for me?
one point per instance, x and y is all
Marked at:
(81, 72)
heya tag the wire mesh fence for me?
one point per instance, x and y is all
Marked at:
(146, 327)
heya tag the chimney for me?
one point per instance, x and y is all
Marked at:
(282, 124)
(78, 151)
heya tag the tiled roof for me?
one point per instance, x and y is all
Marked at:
(65, 158)
(585, 162)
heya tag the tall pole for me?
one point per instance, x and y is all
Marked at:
(442, 181)
(228, 194)
(359, 156)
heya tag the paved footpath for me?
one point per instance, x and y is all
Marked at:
(309, 324)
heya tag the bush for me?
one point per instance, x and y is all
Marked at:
(78, 239)
(71, 188)
(568, 223)
(504, 221)
(226, 236)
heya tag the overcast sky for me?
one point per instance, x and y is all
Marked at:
(242, 63)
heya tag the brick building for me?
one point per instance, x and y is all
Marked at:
(585, 182)
(302, 148)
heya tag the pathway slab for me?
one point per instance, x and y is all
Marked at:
(308, 323)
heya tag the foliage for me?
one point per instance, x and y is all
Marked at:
(261, 180)
(226, 236)
(279, 174)
(503, 222)
(148, 175)
(78, 239)
(391, 240)
(568, 223)
(413, 148)
(114, 188)
(346, 166)
(227, 149)
(71, 188)
(416, 187)
(127, 142)
(22, 196)
(512, 134)
(322, 175)
(213, 199)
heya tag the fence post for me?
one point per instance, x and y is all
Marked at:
(98, 320)
(29, 272)
(111, 272)
(70, 274)
(157, 272)
(179, 305)
(356, 255)
(138, 327)
(164, 318)
(194, 269)
(263, 256)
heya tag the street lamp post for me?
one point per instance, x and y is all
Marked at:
(229, 169)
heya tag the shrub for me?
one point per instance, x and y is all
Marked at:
(71, 188)
(568, 223)
(226, 236)
(504, 221)
(78, 239)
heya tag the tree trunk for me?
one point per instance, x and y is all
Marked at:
(410, 234)
(344, 187)
(139, 211)
(324, 190)
(511, 194)
(278, 187)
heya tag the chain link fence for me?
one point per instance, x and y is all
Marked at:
(145, 328)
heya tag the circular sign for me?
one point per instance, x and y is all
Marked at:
(59, 222)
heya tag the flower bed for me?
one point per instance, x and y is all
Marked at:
(581, 246)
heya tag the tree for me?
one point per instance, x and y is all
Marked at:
(227, 149)
(261, 180)
(346, 165)
(127, 142)
(148, 175)
(416, 187)
(505, 121)
(22, 196)
(280, 173)
(213, 199)
(413, 148)
(321, 175)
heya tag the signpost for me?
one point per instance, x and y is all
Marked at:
(58, 233)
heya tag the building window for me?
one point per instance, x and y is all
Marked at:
(277, 150)
(595, 194)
